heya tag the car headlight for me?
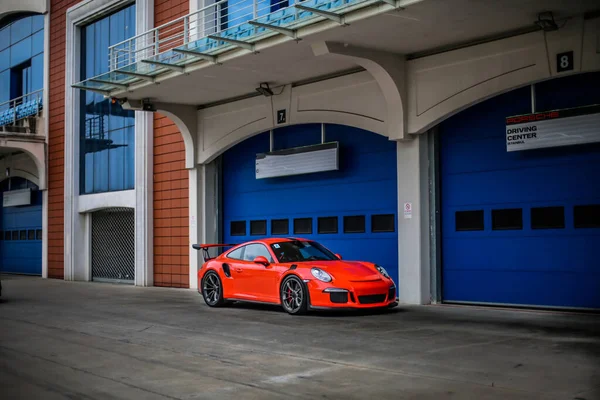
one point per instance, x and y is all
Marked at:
(320, 275)
(382, 271)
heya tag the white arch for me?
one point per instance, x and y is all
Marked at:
(10, 7)
(185, 118)
(36, 152)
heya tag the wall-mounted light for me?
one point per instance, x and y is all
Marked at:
(8, 172)
(546, 21)
(264, 89)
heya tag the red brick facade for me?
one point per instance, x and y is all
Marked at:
(171, 209)
(56, 138)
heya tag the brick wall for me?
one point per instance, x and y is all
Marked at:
(56, 137)
(171, 215)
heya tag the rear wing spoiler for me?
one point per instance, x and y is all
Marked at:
(204, 247)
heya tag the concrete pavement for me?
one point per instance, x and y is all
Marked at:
(80, 340)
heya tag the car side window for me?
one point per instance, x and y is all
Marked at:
(255, 250)
(237, 254)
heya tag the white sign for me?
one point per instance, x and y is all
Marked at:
(407, 210)
(298, 160)
(553, 128)
(17, 198)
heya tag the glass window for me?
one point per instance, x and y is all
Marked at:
(383, 223)
(37, 23)
(469, 220)
(298, 251)
(37, 72)
(302, 225)
(236, 254)
(4, 37)
(38, 234)
(20, 52)
(20, 29)
(107, 131)
(238, 228)
(1, 235)
(258, 227)
(255, 250)
(586, 216)
(507, 219)
(547, 218)
(31, 234)
(7, 235)
(23, 235)
(280, 227)
(4, 60)
(354, 224)
(37, 43)
(327, 225)
(15, 235)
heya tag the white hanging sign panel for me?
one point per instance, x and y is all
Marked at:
(553, 128)
(407, 210)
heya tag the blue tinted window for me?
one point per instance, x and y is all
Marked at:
(4, 37)
(20, 52)
(19, 42)
(20, 29)
(4, 59)
(37, 72)
(37, 43)
(107, 131)
(37, 23)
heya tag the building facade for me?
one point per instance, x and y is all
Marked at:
(462, 155)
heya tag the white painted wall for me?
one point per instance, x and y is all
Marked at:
(354, 100)
(444, 84)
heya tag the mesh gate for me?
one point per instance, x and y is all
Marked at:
(113, 245)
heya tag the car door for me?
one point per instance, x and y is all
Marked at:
(260, 280)
(235, 260)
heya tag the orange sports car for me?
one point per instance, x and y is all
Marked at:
(298, 274)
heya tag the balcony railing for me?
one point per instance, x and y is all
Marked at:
(28, 105)
(210, 31)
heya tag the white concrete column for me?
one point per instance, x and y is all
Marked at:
(413, 227)
(144, 207)
(195, 214)
(45, 233)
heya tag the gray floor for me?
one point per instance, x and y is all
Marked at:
(80, 340)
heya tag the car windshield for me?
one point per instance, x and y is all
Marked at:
(299, 250)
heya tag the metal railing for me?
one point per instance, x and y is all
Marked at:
(215, 18)
(21, 107)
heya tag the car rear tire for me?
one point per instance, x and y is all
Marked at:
(212, 289)
(293, 295)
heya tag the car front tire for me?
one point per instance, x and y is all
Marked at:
(293, 295)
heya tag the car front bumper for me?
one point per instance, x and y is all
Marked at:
(351, 295)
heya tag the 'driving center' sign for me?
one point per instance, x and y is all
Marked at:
(553, 128)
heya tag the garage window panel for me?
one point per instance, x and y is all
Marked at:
(7, 235)
(548, 217)
(354, 224)
(586, 216)
(280, 227)
(328, 225)
(469, 220)
(302, 226)
(383, 223)
(31, 234)
(238, 228)
(507, 219)
(258, 227)
(38, 234)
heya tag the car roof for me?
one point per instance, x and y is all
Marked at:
(275, 240)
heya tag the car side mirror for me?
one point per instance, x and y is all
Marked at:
(338, 256)
(261, 260)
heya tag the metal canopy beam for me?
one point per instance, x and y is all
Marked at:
(204, 56)
(394, 3)
(177, 68)
(327, 14)
(138, 75)
(244, 45)
(103, 92)
(103, 82)
(293, 33)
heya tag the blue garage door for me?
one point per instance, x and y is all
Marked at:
(21, 232)
(520, 228)
(356, 205)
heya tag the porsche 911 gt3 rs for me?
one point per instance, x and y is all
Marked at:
(297, 274)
